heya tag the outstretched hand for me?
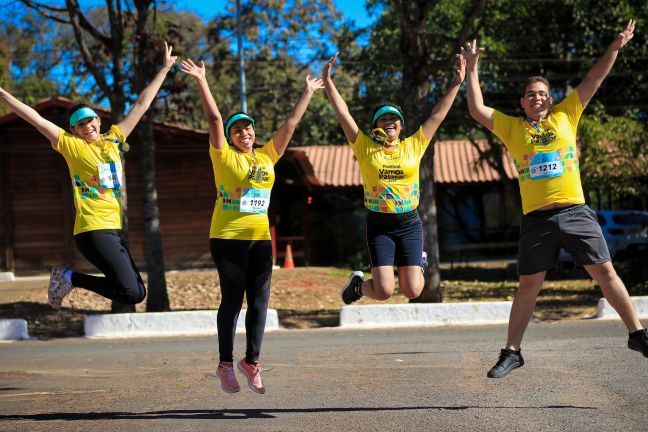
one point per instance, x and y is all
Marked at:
(624, 37)
(326, 70)
(169, 60)
(471, 53)
(314, 84)
(461, 72)
(191, 68)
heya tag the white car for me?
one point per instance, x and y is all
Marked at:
(625, 232)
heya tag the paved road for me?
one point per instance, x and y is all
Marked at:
(579, 376)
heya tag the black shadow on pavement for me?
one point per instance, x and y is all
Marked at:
(243, 414)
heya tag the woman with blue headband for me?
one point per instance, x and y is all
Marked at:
(240, 241)
(93, 161)
(390, 176)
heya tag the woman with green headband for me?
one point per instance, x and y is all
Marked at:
(390, 176)
(240, 241)
(94, 164)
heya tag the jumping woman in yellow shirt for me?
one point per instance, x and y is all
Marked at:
(240, 240)
(390, 176)
(96, 173)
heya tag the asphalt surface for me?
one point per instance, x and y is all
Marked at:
(578, 376)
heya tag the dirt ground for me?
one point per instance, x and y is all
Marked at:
(303, 297)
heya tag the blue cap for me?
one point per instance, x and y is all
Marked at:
(235, 118)
(80, 114)
(387, 109)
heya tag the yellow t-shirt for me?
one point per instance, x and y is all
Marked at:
(97, 179)
(546, 158)
(390, 177)
(243, 182)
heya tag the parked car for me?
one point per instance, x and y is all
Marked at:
(625, 232)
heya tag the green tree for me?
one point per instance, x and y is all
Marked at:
(284, 41)
(613, 158)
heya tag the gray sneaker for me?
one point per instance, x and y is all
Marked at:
(58, 288)
(508, 360)
(638, 341)
(352, 289)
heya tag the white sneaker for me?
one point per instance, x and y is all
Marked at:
(58, 288)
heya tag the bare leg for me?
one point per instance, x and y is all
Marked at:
(382, 284)
(615, 292)
(411, 281)
(523, 307)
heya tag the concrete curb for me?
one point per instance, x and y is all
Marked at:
(13, 329)
(7, 276)
(604, 310)
(164, 324)
(414, 314)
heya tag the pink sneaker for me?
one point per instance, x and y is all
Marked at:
(58, 288)
(253, 374)
(229, 384)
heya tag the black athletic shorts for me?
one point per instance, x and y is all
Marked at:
(394, 238)
(543, 233)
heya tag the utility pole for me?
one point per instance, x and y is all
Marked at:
(239, 34)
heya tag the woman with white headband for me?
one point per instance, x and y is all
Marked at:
(95, 170)
(240, 241)
(390, 176)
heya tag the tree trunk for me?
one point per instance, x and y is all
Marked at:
(117, 306)
(147, 63)
(428, 212)
(416, 109)
(158, 299)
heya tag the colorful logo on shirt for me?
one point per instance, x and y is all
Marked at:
(391, 173)
(544, 137)
(258, 174)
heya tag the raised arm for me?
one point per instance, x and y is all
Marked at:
(603, 65)
(480, 112)
(214, 117)
(441, 109)
(282, 136)
(145, 98)
(340, 107)
(31, 116)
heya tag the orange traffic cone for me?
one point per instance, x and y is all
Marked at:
(288, 262)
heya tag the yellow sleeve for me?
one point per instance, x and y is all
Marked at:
(571, 106)
(419, 141)
(270, 150)
(502, 127)
(67, 144)
(360, 144)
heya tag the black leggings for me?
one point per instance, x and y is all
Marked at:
(107, 251)
(244, 267)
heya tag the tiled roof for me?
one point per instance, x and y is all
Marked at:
(455, 161)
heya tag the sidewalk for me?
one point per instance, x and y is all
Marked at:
(196, 322)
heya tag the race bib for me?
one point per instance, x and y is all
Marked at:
(255, 200)
(545, 165)
(110, 175)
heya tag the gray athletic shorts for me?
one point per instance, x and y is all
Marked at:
(543, 233)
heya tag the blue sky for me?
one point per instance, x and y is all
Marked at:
(352, 9)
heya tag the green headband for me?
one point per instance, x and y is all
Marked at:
(81, 114)
(235, 118)
(388, 109)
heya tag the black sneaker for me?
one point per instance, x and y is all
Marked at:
(352, 290)
(508, 360)
(638, 341)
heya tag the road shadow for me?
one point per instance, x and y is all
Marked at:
(260, 413)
